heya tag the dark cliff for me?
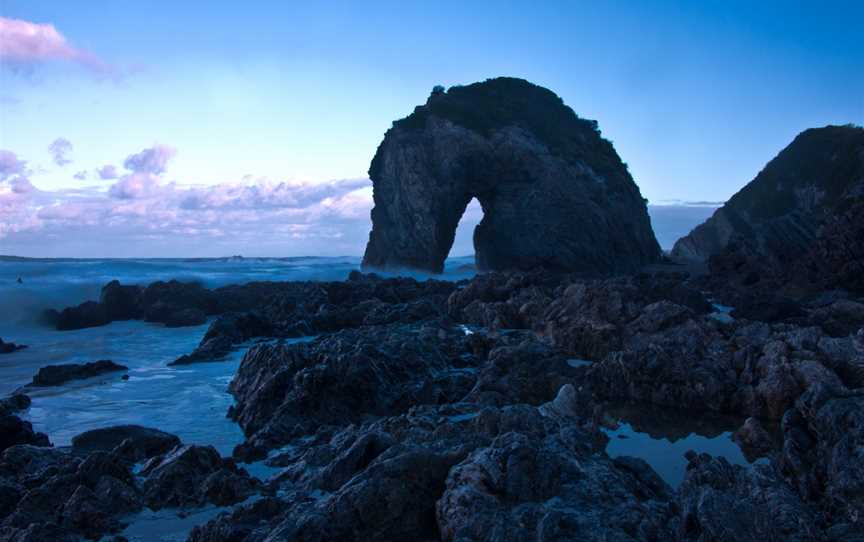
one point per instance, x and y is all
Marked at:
(784, 210)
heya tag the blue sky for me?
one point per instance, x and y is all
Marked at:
(696, 97)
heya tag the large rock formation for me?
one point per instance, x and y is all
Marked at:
(781, 213)
(554, 193)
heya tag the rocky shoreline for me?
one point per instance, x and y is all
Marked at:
(473, 410)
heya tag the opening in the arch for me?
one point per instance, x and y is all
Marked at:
(462, 252)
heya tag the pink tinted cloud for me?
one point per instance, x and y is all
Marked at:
(24, 43)
(107, 172)
(152, 160)
(10, 164)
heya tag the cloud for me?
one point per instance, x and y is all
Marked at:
(59, 148)
(80, 176)
(134, 186)
(10, 164)
(152, 160)
(107, 172)
(24, 44)
(150, 213)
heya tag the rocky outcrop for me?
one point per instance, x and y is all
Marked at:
(90, 490)
(554, 193)
(55, 375)
(804, 208)
(457, 472)
(8, 348)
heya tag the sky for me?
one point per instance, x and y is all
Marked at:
(167, 128)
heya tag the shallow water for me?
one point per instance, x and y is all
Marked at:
(662, 436)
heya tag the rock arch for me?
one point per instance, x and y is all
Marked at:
(554, 193)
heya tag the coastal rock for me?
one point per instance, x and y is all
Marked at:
(121, 302)
(191, 475)
(396, 478)
(87, 314)
(823, 439)
(285, 391)
(719, 501)
(132, 442)
(55, 375)
(754, 440)
(14, 403)
(185, 318)
(8, 348)
(14, 431)
(81, 497)
(522, 489)
(554, 193)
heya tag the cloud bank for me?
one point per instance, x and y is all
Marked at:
(146, 213)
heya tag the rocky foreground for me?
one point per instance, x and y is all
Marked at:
(473, 411)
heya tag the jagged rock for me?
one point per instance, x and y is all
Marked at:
(554, 193)
(14, 430)
(14, 403)
(522, 489)
(393, 479)
(87, 314)
(719, 501)
(754, 440)
(284, 391)
(191, 475)
(82, 497)
(132, 442)
(8, 348)
(121, 302)
(823, 439)
(55, 375)
(185, 317)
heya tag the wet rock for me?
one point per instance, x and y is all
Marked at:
(83, 497)
(8, 348)
(55, 375)
(522, 489)
(121, 302)
(185, 317)
(822, 441)
(754, 440)
(499, 141)
(719, 501)
(87, 314)
(285, 391)
(225, 332)
(14, 403)
(14, 430)
(132, 442)
(192, 475)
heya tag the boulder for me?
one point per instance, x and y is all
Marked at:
(55, 375)
(133, 442)
(554, 193)
(87, 314)
(121, 302)
(14, 431)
